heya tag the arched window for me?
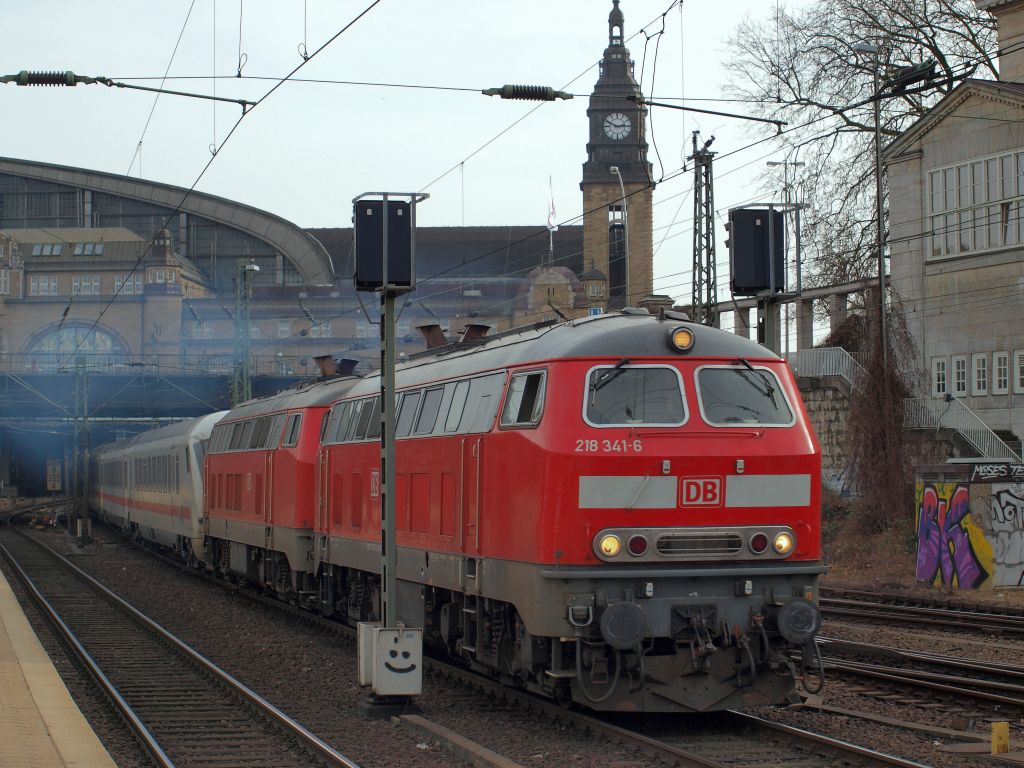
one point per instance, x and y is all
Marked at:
(61, 347)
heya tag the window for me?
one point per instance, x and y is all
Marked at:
(451, 423)
(370, 412)
(172, 276)
(292, 432)
(85, 285)
(959, 375)
(428, 413)
(338, 424)
(1000, 373)
(127, 283)
(977, 206)
(284, 329)
(622, 394)
(42, 285)
(979, 374)
(37, 249)
(406, 412)
(1018, 372)
(595, 290)
(320, 329)
(254, 329)
(158, 275)
(202, 329)
(5, 282)
(939, 385)
(732, 396)
(90, 249)
(525, 400)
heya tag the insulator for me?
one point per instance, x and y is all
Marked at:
(528, 92)
(46, 78)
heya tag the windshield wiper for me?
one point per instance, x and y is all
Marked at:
(606, 377)
(768, 388)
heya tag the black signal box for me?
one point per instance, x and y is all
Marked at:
(756, 245)
(370, 226)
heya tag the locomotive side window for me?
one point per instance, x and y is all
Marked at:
(524, 403)
(339, 422)
(373, 430)
(625, 395)
(370, 408)
(428, 413)
(732, 396)
(275, 430)
(292, 432)
(246, 434)
(482, 402)
(458, 404)
(236, 436)
(406, 412)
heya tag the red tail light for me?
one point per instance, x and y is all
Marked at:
(637, 545)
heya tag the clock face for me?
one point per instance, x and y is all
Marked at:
(617, 126)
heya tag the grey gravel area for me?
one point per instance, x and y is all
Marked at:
(310, 674)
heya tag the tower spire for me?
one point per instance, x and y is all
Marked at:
(616, 23)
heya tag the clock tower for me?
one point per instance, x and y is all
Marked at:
(618, 140)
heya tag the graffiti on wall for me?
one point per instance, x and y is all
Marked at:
(1005, 528)
(952, 549)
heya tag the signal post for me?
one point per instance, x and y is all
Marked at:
(390, 654)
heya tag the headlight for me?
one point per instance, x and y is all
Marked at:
(610, 545)
(783, 543)
(682, 339)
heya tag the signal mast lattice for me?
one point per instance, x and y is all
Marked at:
(705, 292)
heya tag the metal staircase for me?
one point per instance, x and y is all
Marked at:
(921, 412)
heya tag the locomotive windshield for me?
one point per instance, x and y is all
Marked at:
(742, 395)
(634, 395)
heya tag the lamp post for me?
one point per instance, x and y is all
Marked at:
(625, 227)
(871, 48)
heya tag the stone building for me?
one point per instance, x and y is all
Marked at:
(956, 238)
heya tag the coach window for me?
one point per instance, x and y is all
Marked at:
(732, 396)
(428, 413)
(524, 403)
(406, 412)
(292, 432)
(458, 405)
(626, 395)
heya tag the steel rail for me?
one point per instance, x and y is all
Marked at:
(148, 740)
(838, 744)
(963, 620)
(305, 737)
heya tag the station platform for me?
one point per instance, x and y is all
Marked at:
(40, 724)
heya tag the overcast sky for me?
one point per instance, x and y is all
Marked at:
(309, 148)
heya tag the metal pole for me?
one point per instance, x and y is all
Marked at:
(388, 542)
(884, 338)
(625, 230)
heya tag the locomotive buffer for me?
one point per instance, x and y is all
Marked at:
(390, 654)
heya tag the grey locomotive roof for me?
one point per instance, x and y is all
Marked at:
(615, 335)
(319, 393)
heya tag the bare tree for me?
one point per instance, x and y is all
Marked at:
(800, 66)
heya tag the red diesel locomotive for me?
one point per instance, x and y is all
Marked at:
(621, 511)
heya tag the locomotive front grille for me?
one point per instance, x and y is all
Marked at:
(699, 544)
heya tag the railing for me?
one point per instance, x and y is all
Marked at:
(829, 361)
(921, 412)
(125, 364)
(934, 413)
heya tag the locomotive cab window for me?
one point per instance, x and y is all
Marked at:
(524, 403)
(629, 395)
(739, 395)
(292, 432)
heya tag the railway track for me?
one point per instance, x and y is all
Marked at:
(1001, 684)
(183, 708)
(722, 740)
(927, 612)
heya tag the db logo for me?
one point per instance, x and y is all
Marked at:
(375, 484)
(702, 491)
